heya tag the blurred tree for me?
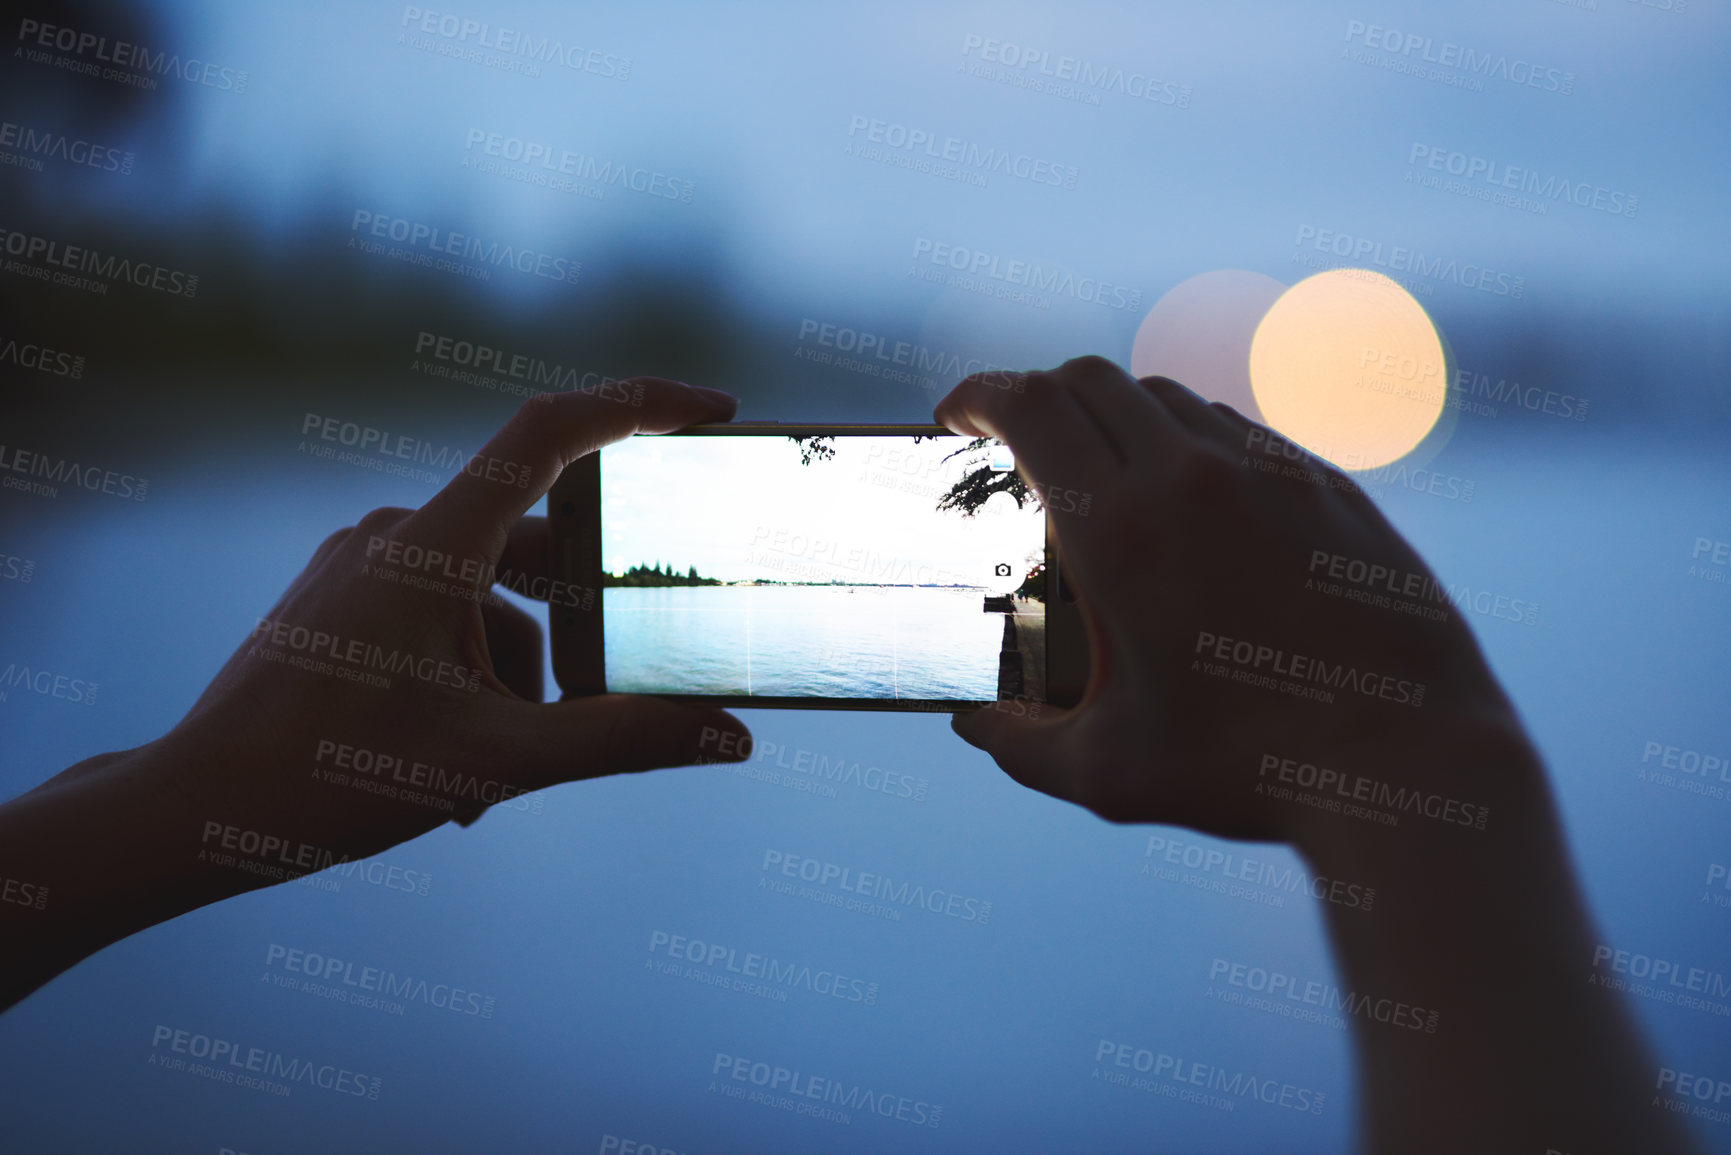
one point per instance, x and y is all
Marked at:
(819, 447)
(981, 481)
(642, 575)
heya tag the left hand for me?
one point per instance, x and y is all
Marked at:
(297, 739)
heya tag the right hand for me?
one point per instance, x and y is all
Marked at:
(1189, 551)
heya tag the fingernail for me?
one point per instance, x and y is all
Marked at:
(961, 724)
(716, 395)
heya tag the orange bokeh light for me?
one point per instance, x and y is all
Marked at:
(1349, 366)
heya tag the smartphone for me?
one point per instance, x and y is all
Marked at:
(863, 567)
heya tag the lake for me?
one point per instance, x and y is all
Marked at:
(803, 641)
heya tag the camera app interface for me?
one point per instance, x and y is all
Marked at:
(834, 567)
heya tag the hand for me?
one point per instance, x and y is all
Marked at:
(391, 645)
(1210, 569)
(388, 690)
(1197, 563)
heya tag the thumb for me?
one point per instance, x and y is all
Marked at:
(591, 737)
(1026, 740)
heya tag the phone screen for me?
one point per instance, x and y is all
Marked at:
(840, 566)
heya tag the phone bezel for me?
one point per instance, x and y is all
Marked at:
(577, 634)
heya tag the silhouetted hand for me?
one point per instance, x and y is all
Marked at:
(1221, 573)
(387, 691)
(405, 596)
(1213, 649)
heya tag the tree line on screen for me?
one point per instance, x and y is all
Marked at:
(656, 575)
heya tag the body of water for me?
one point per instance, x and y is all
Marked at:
(803, 641)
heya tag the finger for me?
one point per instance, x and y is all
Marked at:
(477, 508)
(525, 565)
(1050, 433)
(329, 546)
(1028, 412)
(1053, 440)
(1192, 412)
(581, 738)
(466, 813)
(1240, 440)
(515, 648)
(1125, 414)
(1027, 749)
(1231, 416)
(326, 550)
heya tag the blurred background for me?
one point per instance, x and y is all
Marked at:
(285, 212)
